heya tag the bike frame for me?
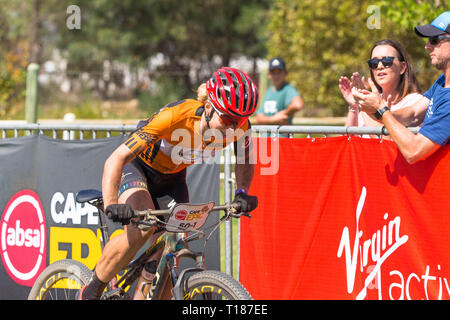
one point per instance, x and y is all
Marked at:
(174, 248)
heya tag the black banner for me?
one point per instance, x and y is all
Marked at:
(41, 222)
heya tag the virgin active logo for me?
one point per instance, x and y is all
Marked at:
(23, 237)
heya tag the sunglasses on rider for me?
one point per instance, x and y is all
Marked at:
(436, 39)
(228, 120)
(386, 61)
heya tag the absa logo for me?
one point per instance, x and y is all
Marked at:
(23, 237)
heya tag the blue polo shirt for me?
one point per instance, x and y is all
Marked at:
(436, 125)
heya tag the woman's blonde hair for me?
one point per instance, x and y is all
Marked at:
(202, 93)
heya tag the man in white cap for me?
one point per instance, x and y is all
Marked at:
(433, 108)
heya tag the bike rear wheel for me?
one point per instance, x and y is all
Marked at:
(214, 285)
(61, 280)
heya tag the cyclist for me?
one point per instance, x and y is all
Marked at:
(152, 162)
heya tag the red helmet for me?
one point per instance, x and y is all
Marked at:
(231, 91)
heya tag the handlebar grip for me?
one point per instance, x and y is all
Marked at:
(236, 211)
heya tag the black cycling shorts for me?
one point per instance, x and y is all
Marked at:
(164, 188)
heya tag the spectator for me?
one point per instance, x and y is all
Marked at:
(434, 107)
(281, 100)
(392, 73)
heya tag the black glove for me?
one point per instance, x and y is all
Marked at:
(247, 203)
(119, 213)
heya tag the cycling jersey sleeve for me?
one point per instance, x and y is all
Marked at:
(148, 134)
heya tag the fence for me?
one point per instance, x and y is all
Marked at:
(95, 131)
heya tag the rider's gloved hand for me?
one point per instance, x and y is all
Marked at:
(246, 202)
(121, 212)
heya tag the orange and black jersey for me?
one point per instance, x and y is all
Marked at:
(170, 141)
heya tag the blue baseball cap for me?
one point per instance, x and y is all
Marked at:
(439, 26)
(277, 63)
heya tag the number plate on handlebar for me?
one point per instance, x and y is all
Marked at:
(186, 216)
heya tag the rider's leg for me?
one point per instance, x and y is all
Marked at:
(149, 271)
(176, 190)
(120, 250)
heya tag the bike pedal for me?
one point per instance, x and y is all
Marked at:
(115, 294)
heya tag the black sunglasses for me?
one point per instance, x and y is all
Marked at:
(436, 39)
(386, 61)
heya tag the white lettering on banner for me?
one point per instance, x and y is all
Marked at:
(63, 209)
(23, 237)
(404, 287)
(384, 239)
(373, 252)
(208, 148)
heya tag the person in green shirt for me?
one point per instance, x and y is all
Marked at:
(281, 100)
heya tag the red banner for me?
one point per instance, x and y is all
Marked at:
(348, 219)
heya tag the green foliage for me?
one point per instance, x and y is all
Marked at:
(12, 87)
(54, 105)
(14, 52)
(409, 13)
(193, 36)
(186, 32)
(166, 90)
(322, 40)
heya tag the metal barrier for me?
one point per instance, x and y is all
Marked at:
(29, 128)
(67, 130)
(83, 131)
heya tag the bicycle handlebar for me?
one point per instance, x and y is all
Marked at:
(150, 217)
(233, 208)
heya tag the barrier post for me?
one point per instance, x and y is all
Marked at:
(31, 102)
(228, 189)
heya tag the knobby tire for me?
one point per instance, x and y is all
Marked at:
(214, 285)
(61, 280)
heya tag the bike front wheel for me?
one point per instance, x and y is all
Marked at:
(214, 285)
(61, 280)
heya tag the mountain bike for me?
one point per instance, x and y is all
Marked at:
(179, 225)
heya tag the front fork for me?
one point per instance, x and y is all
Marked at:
(179, 279)
(171, 264)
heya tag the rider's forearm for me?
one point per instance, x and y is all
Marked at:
(111, 181)
(244, 175)
(112, 174)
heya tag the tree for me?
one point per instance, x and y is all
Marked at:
(322, 40)
(192, 40)
(14, 54)
(409, 13)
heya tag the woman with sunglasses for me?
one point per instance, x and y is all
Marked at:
(432, 110)
(392, 73)
(152, 162)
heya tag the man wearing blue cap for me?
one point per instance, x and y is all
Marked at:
(433, 109)
(281, 100)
